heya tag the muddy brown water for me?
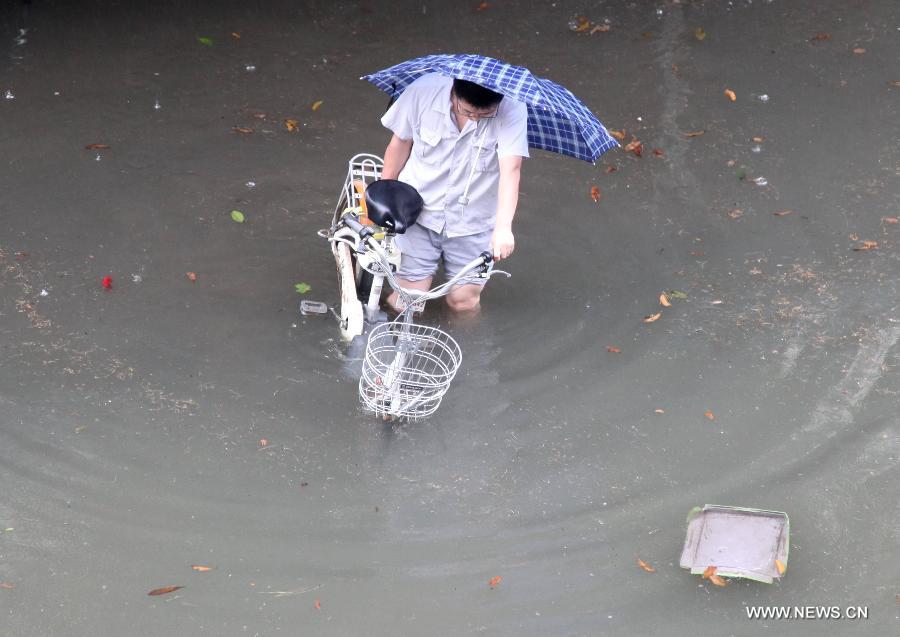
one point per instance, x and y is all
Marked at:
(131, 419)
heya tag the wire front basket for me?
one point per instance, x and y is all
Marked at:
(407, 369)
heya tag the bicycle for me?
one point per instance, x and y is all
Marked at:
(408, 367)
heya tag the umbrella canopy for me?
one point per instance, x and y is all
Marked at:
(557, 120)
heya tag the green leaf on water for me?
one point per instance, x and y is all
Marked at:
(303, 288)
(677, 294)
(237, 215)
(205, 40)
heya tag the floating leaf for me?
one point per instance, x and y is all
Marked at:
(97, 146)
(317, 605)
(579, 24)
(866, 245)
(595, 194)
(237, 215)
(677, 294)
(699, 33)
(600, 28)
(780, 566)
(292, 125)
(709, 572)
(191, 276)
(495, 580)
(236, 35)
(658, 152)
(653, 317)
(611, 169)
(618, 134)
(894, 83)
(664, 300)
(7, 585)
(646, 566)
(891, 220)
(717, 580)
(302, 288)
(243, 130)
(659, 411)
(202, 569)
(759, 139)
(695, 133)
(735, 213)
(107, 282)
(482, 6)
(782, 213)
(710, 415)
(316, 105)
(820, 37)
(612, 349)
(730, 94)
(634, 146)
(205, 41)
(165, 590)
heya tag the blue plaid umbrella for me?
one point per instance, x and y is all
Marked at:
(557, 120)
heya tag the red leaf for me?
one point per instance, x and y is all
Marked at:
(612, 349)
(165, 590)
(595, 194)
(494, 581)
(107, 282)
(317, 604)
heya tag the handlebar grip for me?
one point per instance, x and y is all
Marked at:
(352, 221)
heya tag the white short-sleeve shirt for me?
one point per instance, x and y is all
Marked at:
(443, 157)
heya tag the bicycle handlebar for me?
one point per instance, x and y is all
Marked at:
(485, 261)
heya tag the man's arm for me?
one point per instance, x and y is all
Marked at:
(395, 156)
(503, 242)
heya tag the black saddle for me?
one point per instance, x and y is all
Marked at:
(393, 204)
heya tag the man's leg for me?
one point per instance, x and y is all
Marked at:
(421, 250)
(465, 299)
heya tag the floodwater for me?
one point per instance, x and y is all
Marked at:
(166, 423)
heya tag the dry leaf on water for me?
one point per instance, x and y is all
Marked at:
(580, 24)
(612, 349)
(317, 604)
(316, 105)
(658, 152)
(866, 245)
(894, 83)
(699, 33)
(263, 442)
(496, 579)
(735, 213)
(782, 213)
(718, 581)
(634, 146)
(595, 194)
(779, 565)
(236, 35)
(165, 590)
(890, 219)
(695, 133)
(659, 411)
(759, 139)
(600, 28)
(7, 585)
(710, 415)
(730, 94)
(191, 276)
(292, 125)
(611, 169)
(664, 300)
(202, 569)
(859, 50)
(97, 146)
(242, 130)
(652, 317)
(646, 566)
(482, 6)
(618, 134)
(820, 37)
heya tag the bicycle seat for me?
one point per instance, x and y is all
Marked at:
(393, 204)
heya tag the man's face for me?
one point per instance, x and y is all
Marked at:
(464, 109)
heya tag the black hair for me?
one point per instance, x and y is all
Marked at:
(476, 94)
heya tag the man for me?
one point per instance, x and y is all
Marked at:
(461, 146)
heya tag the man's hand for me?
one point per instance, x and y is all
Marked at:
(502, 243)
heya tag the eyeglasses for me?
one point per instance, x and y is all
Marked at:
(464, 112)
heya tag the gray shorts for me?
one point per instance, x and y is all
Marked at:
(422, 250)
